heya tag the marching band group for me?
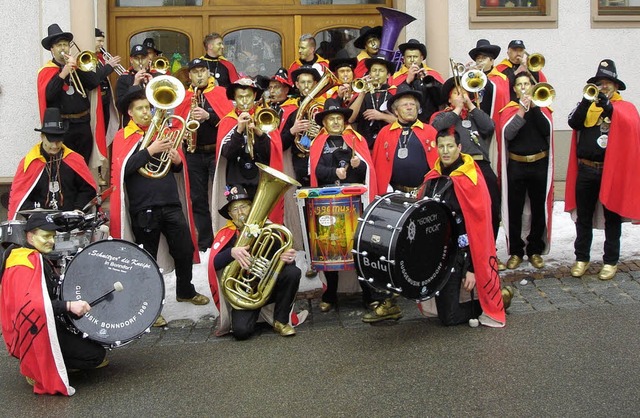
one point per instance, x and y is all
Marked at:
(201, 160)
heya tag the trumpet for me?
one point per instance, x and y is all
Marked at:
(590, 92)
(363, 84)
(119, 69)
(160, 64)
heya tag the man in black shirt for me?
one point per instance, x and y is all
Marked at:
(219, 67)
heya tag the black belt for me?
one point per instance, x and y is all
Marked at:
(208, 148)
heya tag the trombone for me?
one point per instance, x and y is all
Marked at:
(265, 119)
(542, 95)
(119, 69)
(535, 62)
(86, 61)
(160, 64)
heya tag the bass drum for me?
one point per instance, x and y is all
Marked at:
(123, 315)
(406, 246)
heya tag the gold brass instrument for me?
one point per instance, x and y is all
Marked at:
(310, 106)
(192, 125)
(85, 61)
(163, 92)
(535, 62)
(360, 85)
(251, 289)
(160, 64)
(265, 119)
(473, 80)
(119, 69)
(590, 92)
(542, 95)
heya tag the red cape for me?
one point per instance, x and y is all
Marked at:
(45, 74)
(28, 323)
(361, 68)
(400, 76)
(297, 64)
(124, 145)
(354, 141)
(215, 95)
(475, 202)
(30, 169)
(618, 191)
(385, 148)
(506, 114)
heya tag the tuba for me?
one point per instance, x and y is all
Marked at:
(392, 23)
(251, 289)
(163, 92)
(310, 106)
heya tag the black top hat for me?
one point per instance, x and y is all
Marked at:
(607, 69)
(336, 63)
(413, 44)
(484, 47)
(149, 43)
(380, 59)
(42, 221)
(99, 32)
(516, 43)
(138, 50)
(54, 34)
(53, 126)
(305, 69)
(367, 32)
(404, 90)
(196, 63)
(332, 106)
(446, 88)
(243, 83)
(234, 194)
(134, 93)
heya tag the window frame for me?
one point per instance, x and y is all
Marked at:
(505, 17)
(614, 19)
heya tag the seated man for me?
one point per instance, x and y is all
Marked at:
(30, 308)
(457, 180)
(242, 322)
(51, 176)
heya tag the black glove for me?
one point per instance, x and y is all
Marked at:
(604, 103)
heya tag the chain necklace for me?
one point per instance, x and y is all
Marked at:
(55, 186)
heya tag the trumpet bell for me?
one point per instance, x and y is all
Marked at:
(590, 92)
(165, 92)
(543, 94)
(473, 81)
(160, 64)
(535, 62)
(87, 61)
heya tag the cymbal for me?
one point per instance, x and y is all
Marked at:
(37, 210)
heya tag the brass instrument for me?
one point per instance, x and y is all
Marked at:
(163, 92)
(535, 62)
(590, 92)
(192, 125)
(85, 61)
(310, 106)
(251, 289)
(119, 69)
(473, 80)
(265, 119)
(360, 85)
(160, 64)
(542, 95)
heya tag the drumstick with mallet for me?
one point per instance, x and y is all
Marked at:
(117, 287)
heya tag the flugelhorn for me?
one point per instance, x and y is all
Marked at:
(251, 289)
(590, 92)
(163, 92)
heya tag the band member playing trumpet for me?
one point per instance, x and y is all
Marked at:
(526, 131)
(343, 69)
(370, 109)
(62, 84)
(136, 79)
(143, 208)
(242, 323)
(51, 176)
(219, 67)
(340, 155)
(205, 103)
(420, 77)
(30, 313)
(475, 130)
(369, 43)
(456, 180)
(601, 172)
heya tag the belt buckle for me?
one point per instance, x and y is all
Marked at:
(531, 158)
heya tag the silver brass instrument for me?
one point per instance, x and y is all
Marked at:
(590, 92)
(119, 69)
(310, 106)
(160, 64)
(163, 92)
(192, 125)
(251, 289)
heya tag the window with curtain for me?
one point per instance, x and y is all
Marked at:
(254, 51)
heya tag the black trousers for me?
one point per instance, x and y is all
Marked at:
(202, 167)
(450, 310)
(587, 191)
(147, 226)
(494, 192)
(243, 322)
(78, 352)
(527, 179)
(369, 294)
(80, 139)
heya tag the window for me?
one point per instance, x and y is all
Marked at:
(330, 42)
(157, 3)
(615, 13)
(174, 46)
(526, 14)
(618, 7)
(336, 2)
(254, 51)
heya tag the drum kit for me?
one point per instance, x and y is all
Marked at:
(122, 281)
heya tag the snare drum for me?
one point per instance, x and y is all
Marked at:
(13, 231)
(331, 215)
(406, 246)
(124, 315)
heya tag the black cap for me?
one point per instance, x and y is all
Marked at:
(484, 47)
(54, 34)
(516, 43)
(138, 50)
(99, 33)
(404, 90)
(196, 63)
(607, 70)
(53, 126)
(414, 44)
(233, 194)
(149, 43)
(42, 221)
(332, 106)
(367, 32)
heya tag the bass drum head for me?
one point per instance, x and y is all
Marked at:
(123, 315)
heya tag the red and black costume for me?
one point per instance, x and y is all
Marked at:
(221, 69)
(429, 84)
(316, 62)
